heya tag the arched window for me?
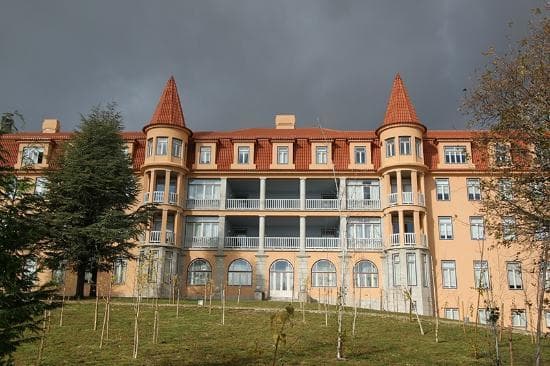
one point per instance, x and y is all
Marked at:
(199, 272)
(365, 274)
(239, 273)
(323, 274)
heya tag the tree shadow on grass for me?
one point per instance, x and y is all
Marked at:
(225, 362)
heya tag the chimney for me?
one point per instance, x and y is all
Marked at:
(285, 121)
(50, 125)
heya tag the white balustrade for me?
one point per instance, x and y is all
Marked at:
(154, 236)
(282, 243)
(363, 204)
(410, 238)
(421, 199)
(364, 243)
(242, 204)
(172, 198)
(146, 197)
(394, 239)
(170, 237)
(201, 242)
(282, 203)
(321, 204)
(392, 199)
(203, 204)
(158, 196)
(322, 243)
(241, 242)
(407, 198)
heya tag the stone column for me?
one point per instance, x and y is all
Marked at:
(342, 193)
(221, 234)
(401, 227)
(302, 234)
(399, 188)
(166, 186)
(261, 273)
(262, 193)
(223, 192)
(302, 194)
(343, 231)
(261, 235)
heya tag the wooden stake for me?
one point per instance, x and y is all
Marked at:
(42, 339)
(62, 305)
(210, 300)
(178, 304)
(136, 328)
(510, 347)
(223, 305)
(319, 299)
(96, 308)
(354, 314)
(204, 300)
(239, 295)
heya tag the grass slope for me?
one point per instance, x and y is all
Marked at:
(197, 338)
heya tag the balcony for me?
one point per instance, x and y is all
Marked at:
(392, 199)
(321, 204)
(203, 204)
(323, 243)
(394, 239)
(282, 204)
(172, 198)
(410, 239)
(170, 237)
(363, 204)
(239, 242)
(158, 196)
(365, 244)
(242, 204)
(282, 243)
(154, 236)
(407, 198)
(203, 242)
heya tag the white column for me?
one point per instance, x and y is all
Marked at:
(262, 193)
(401, 227)
(261, 234)
(166, 185)
(342, 193)
(302, 193)
(302, 234)
(343, 230)
(399, 188)
(223, 192)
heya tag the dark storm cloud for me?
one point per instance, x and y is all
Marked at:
(237, 63)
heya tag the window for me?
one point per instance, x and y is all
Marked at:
(323, 274)
(425, 270)
(445, 228)
(282, 154)
(162, 145)
(58, 275)
(364, 228)
(177, 147)
(514, 275)
(360, 190)
(152, 266)
(418, 147)
(519, 318)
(390, 147)
(239, 273)
(205, 155)
(476, 228)
(204, 189)
(474, 189)
(168, 267)
(411, 269)
(360, 153)
(365, 274)
(202, 230)
(502, 154)
(243, 154)
(199, 272)
(448, 270)
(396, 273)
(404, 145)
(505, 189)
(508, 228)
(32, 155)
(482, 316)
(451, 313)
(481, 274)
(40, 186)
(149, 147)
(119, 271)
(321, 155)
(455, 154)
(442, 189)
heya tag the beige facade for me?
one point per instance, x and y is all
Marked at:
(282, 212)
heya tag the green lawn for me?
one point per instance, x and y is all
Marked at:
(198, 338)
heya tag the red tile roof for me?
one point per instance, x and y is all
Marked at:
(400, 108)
(314, 133)
(168, 111)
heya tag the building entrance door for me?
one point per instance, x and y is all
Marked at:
(281, 279)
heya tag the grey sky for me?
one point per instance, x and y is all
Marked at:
(238, 63)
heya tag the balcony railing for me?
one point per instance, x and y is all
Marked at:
(321, 204)
(242, 204)
(392, 199)
(282, 203)
(158, 196)
(146, 197)
(154, 236)
(407, 198)
(363, 205)
(203, 204)
(364, 243)
(322, 243)
(421, 199)
(282, 243)
(394, 239)
(170, 237)
(410, 239)
(241, 242)
(173, 198)
(201, 242)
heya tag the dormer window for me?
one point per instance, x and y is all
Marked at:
(455, 154)
(176, 147)
(404, 145)
(205, 155)
(360, 154)
(243, 155)
(390, 147)
(282, 154)
(502, 154)
(32, 155)
(321, 155)
(162, 145)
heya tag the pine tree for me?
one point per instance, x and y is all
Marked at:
(91, 196)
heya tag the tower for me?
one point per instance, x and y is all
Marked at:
(163, 176)
(407, 255)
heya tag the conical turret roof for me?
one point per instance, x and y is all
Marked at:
(168, 111)
(400, 108)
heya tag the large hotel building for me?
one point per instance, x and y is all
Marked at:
(279, 212)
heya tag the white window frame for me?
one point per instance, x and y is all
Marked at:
(455, 154)
(481, 274)
(396, 270)
(32, 155)
(418, 147)
(477, 228)
(505, 189)
(508, 228)
(405, 145)
(513, 270)
(323, 277)
(177, 147)
(199, 275)
(442, 189)
(451, 313)
(150, 146)
(205, 154)
(448, 274)
(243, 155)
(367, 277)
(360, 154)
(445, 224)
(162, 146)
(282, 155)
(519, 318)
(474, 189)
(119, 271)
(321, 154)
(239, 273)
(390, 147)
(411, 269)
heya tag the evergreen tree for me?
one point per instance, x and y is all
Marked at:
(91, 196)
(22, 233)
